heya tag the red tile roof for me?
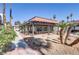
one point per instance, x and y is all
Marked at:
(40, 19)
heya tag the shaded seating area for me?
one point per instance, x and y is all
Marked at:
(38, 25)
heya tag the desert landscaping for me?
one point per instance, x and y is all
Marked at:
(44, 44)
(37, 35)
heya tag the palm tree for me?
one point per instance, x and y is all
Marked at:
(67, 33)
(54, 17)
(67, 18)
(17, 23)
(64, 35)
(4, 16)
(61, 37)
(71, 15)
(62, 26)
(11, 15)
(24, 27)
(69, 26)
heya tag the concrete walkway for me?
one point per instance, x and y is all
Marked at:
(21, 47)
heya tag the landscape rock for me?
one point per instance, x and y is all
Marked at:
(43, 51)
(36, 42)
(9, 47)
(22, 44)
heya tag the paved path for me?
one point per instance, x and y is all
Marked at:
(21, 47)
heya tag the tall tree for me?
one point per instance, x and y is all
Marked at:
(62, 28)
(4, 15)
(69, 26)
(17, 23)
(54, 17)
(71, 15)
(11, 15)
(67, 18)
(64, 35)
(62, 25)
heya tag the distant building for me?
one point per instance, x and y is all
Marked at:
(40, 25)
(76, 28)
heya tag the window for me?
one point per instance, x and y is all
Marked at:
(45, 28)
(39, 28)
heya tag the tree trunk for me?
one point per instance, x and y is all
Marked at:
(10, 22)
(67, 34)
(61, 36)
(4, 18)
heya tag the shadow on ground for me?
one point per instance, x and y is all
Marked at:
(11, 46)
(74, 42)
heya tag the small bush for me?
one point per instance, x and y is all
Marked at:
(5, 38)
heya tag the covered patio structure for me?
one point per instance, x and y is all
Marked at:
(37, 25)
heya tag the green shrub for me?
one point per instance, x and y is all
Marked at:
(5, 38)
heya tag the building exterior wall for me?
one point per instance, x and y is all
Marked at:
(39, 29)
(75, 28)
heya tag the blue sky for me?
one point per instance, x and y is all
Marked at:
(25, 11)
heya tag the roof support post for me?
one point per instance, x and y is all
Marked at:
(48, 29)
(27, 30)
(33, 30)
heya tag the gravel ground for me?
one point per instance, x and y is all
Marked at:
(55, 47)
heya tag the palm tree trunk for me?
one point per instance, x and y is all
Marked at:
(67, 34)
(11, 15)
(10, 22)
(4, 16)
(4, 21)
(61, 36)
